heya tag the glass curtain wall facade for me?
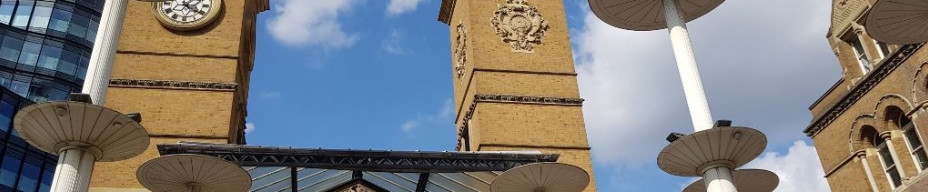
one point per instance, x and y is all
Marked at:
(45, 48)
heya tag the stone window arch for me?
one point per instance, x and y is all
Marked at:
(890, 101)
(920, 84)
(869, 137)
(861, 138)
(898, 119)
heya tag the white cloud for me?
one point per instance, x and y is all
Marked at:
(799, 169)
(398, 7)
(249, 127)
(311, 23)
(447, 110)
(761, 68)
(393, 43)
(443, 115)
(269, 95)
(409, 125)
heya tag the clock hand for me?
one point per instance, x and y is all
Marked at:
(192, 8)
(178, 7)
(193, 5)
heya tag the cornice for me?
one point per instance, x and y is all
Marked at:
(134, 52)
(529, 100)
(168, 84)
(446, 11)
(861, 89)
(263, 5)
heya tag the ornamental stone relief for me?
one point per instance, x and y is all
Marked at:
(520, 25)
(920, 84)
(460, 51)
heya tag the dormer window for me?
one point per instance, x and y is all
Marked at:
(860, 54)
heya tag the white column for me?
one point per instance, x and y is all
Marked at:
(104, 50)
(76, 165)
(718, 179)
(73, 171)
(686, 64)
(866, 164)
(892, 152)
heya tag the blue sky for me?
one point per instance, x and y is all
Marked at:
(375, 74)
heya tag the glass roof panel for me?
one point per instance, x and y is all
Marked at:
(391, 182)
(486, 177)
(321, 180)
(435, 188)
(458, 182)
(273, 168)
(270, 179)
(278, 179)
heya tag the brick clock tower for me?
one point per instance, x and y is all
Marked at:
(185, 68)
(515, 84)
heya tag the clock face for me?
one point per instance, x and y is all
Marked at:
(187, 14)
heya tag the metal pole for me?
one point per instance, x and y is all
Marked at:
(73, 171)
(75, 165)
(686, 64)
(104, 50)
(718, 179)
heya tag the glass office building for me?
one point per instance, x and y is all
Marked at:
(45, 48)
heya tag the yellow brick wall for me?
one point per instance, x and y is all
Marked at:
(526, 84)
(177, 68)
(148, 51)
(490, 52)
(142, 32)
(178, 112)
(547, 72)
(833, 143)
(522, 124)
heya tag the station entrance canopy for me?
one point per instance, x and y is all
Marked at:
(281, 169)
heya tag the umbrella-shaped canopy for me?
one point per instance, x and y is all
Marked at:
(108, 134)
(193, 173)
(899, 21)
(542, 177)
(647, 15)
(734, 146)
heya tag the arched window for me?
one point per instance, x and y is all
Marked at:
(916, 148)
(890, 167)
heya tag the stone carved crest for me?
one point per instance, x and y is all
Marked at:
(460, 51)
(520, 25)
